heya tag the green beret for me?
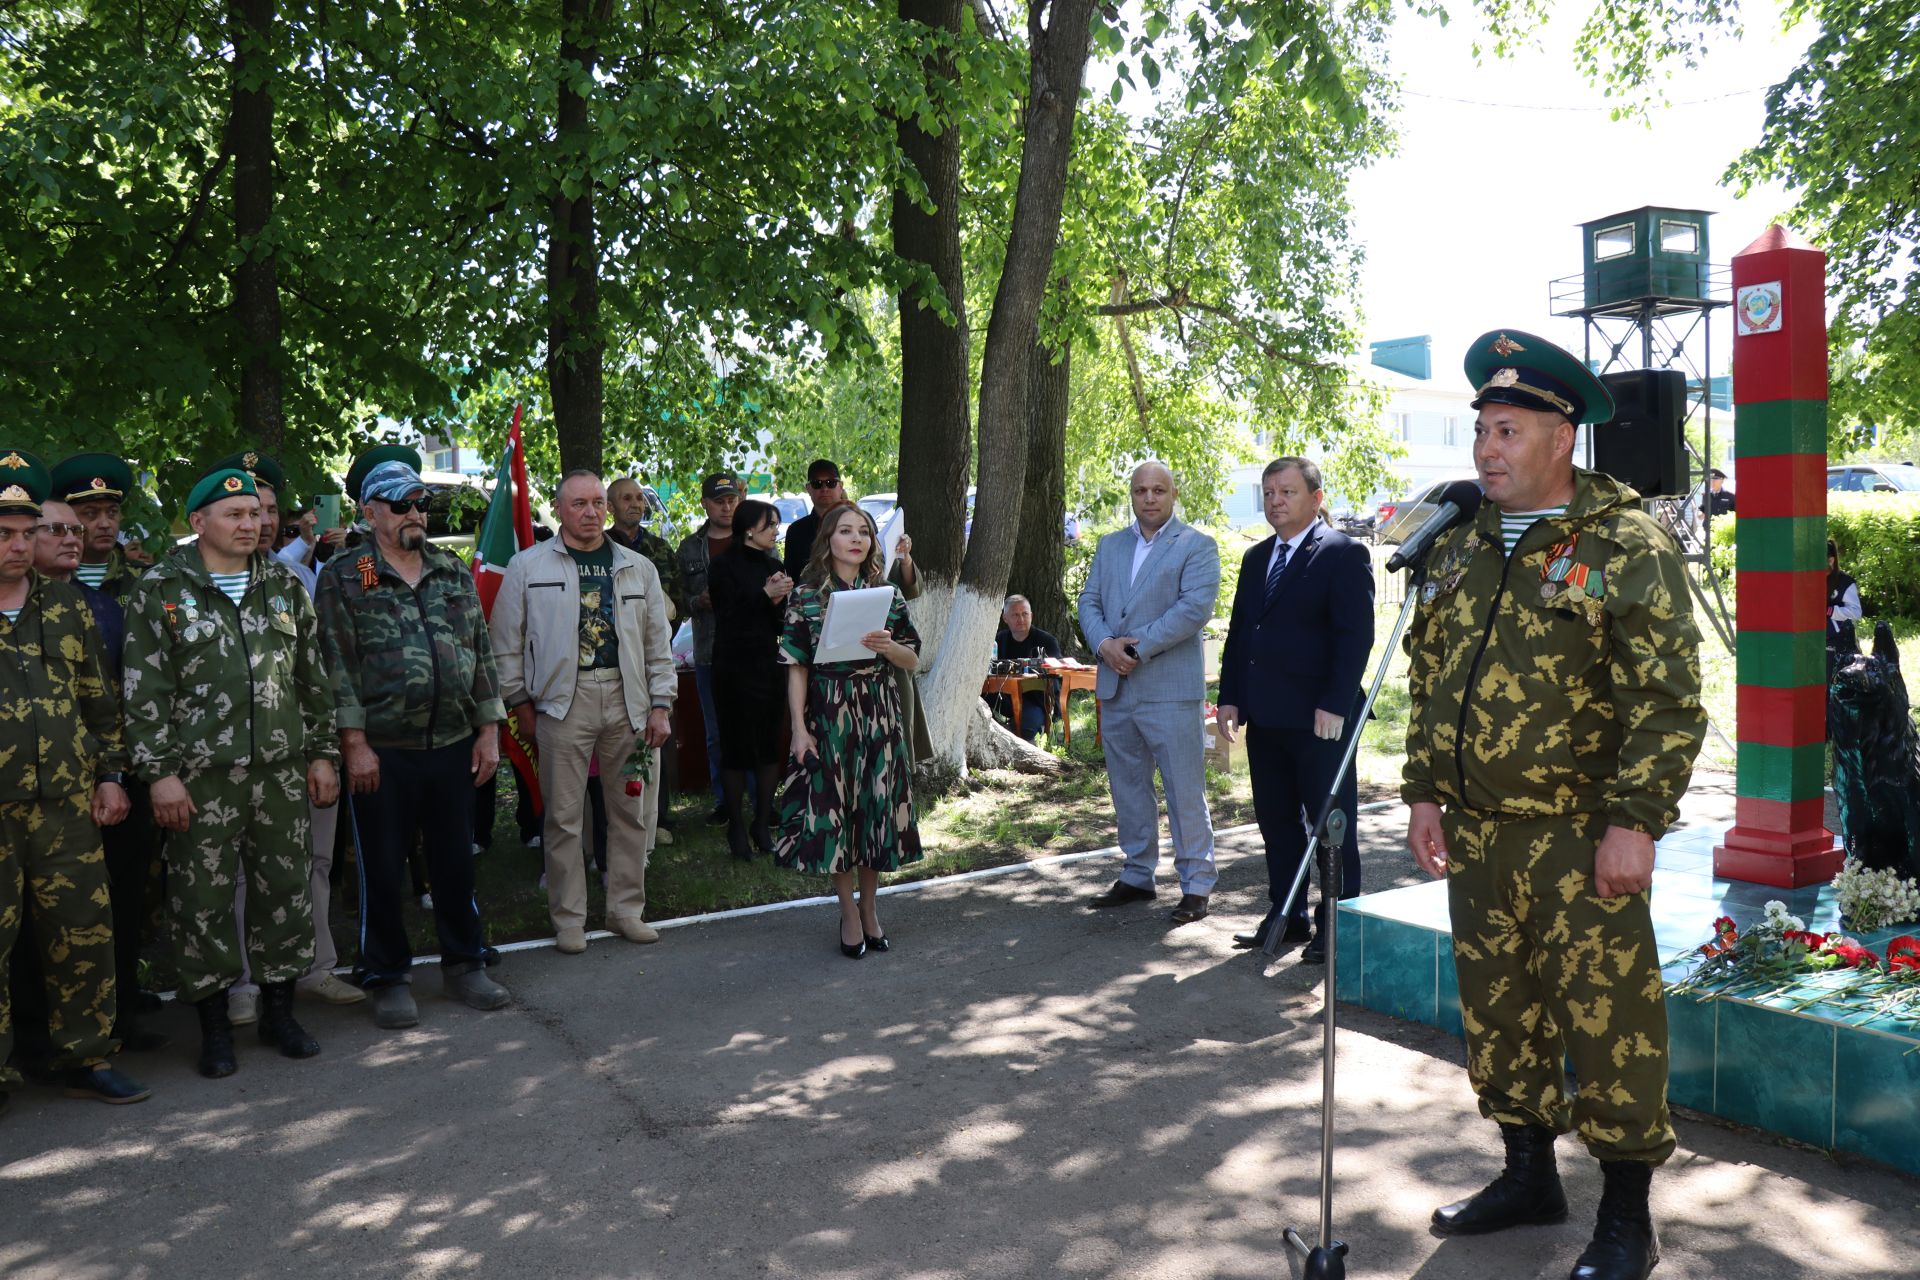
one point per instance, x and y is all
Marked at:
(1507, 366)
(24, 483)
(227, 482)
(262, 468)
(86, 476)
(357, 473)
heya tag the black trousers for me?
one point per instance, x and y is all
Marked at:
(424, 796)
(1291, 771)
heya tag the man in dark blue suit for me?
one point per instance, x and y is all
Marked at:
(1297, 645)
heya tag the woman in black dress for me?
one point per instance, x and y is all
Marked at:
(749, 594)
(847, 805)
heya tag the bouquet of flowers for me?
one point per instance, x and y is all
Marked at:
(1779, 956)
(1872, 899)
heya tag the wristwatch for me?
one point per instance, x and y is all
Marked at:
(117, 778)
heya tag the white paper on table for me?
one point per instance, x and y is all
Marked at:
(851, 614)
(890, 534)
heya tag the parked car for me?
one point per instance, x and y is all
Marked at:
(1398, 520)
(1874, 477)
(791, 506)
(1354, 523)
(878, 505)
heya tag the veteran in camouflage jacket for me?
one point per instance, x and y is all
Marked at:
(418, 702)
(1556, 695)
(61, 759)
(411, 665)
(233, 701)
(1562, 679)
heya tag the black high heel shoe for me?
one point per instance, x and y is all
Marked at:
(851, 950)
(877, 944)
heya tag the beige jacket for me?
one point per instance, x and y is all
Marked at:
(536, 632)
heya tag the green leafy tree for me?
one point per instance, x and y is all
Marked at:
(1836, 136)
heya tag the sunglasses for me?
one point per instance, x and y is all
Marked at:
(60, 530)
(834, 483)
(406, 506)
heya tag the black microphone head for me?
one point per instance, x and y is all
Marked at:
(1464, 494)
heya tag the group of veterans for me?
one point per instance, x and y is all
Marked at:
(204, 705)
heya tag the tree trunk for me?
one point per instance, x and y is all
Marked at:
(1039, 553)
(1057, 40)
(936, 432)
(991, 746)
(256, 285)
(576, 345)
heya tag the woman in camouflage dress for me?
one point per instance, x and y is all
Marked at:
(846, 807)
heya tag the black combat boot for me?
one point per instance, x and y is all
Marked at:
(1624, 1246)
(1527, 1192)
(277, 1026)
(216, 1036)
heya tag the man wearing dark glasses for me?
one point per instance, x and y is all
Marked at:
(826, 492)
(416, 700)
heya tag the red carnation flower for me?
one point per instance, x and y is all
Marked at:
(1812, 941)
(1856, 957)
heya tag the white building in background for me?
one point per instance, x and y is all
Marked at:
(1426, 417)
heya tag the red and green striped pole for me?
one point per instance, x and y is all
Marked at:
(1779, 835)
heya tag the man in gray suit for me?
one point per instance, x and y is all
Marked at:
(1151, 589)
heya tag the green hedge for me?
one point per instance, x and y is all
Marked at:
(1879, 540)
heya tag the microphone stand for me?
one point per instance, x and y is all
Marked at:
(1327, 1260)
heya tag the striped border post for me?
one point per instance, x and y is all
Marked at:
(1779, 835)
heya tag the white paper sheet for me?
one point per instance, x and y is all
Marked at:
(851, 615)
(890, 536)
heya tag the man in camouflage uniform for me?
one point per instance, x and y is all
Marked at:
(243, 998)
(95, 485)
(1555, 715)
(61, 766)
(230, 719)
(418, 704)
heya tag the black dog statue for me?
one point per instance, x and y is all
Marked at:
(1876, 752)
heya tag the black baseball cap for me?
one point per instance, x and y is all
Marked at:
(721, 484)
(823, 469)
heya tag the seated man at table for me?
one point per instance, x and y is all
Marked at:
(1020, 640)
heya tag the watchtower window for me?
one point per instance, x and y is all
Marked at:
(1613, 242)
(1679, 237)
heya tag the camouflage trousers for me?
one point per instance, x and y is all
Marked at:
(51, 850)
(1550, 973)
(251, 821)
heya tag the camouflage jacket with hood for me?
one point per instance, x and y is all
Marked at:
(1563, 678)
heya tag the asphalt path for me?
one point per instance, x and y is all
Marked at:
(1021, 1088)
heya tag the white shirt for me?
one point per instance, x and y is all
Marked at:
(1291, 544)
(1142, 545)
(294, 556)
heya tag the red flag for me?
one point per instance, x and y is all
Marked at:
(507, 530)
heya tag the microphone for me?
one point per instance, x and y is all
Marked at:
(1458, 502)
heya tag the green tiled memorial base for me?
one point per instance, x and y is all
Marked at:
(1831, 1075)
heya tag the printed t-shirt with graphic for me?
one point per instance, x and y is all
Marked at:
(599, 642)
